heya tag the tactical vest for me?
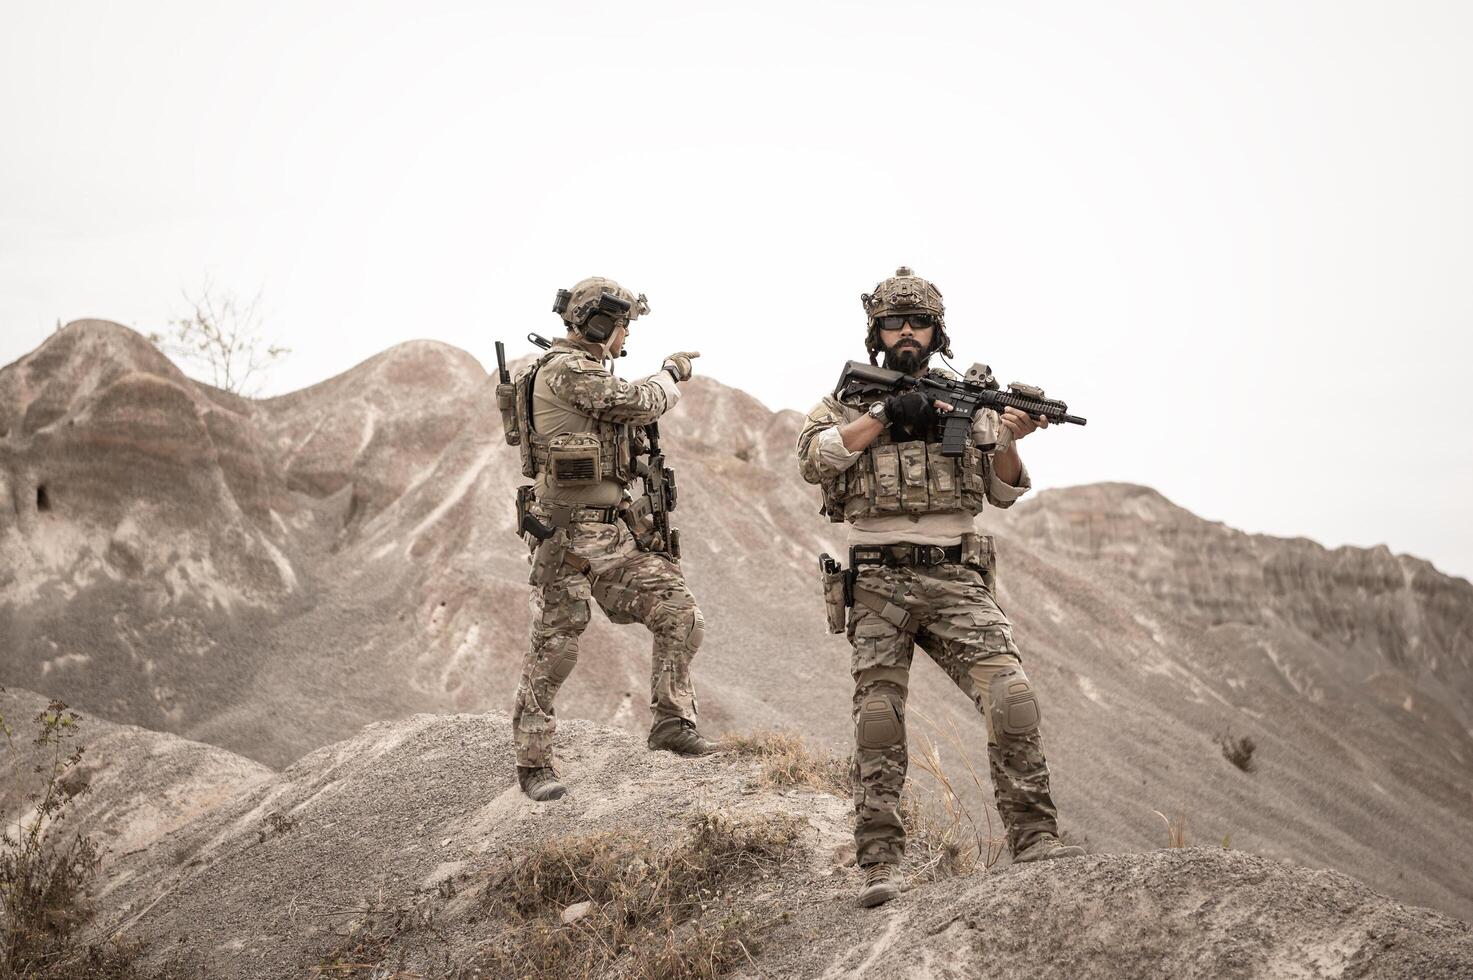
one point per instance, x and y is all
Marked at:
(906, 478)
(567, 459)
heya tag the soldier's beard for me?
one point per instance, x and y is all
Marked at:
(907, 361)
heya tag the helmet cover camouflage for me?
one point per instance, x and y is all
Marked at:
(584, 296)
(905, 292)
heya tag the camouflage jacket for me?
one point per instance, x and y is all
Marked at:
(577, 410)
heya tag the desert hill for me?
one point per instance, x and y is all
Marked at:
(403, 848)
(270, 576)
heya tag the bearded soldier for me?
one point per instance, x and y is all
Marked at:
(922, 575)
(580, 429)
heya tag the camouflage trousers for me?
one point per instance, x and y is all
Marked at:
(970, 638)
(630, 586)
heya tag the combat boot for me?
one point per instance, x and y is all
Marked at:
(881, 883)
(541, 784)
(1047, 847)
(679, 736)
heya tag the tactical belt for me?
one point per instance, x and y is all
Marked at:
(564, 516)
(896, 555)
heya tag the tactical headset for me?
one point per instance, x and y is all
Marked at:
(598, 319)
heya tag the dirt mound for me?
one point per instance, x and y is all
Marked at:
(397, 846)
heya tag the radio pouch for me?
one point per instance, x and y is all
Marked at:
(506, 401)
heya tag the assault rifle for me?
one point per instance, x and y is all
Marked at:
(977, 390)
(659, 492)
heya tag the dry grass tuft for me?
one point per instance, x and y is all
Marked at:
(655, 910)
(787, 761)
(944, 833)
(1176, 828)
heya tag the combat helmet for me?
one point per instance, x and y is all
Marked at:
(904, 292)
(596, 307)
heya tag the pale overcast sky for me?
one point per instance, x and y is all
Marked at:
(1237, 236)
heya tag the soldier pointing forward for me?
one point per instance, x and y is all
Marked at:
(581, 431)
(920, 575)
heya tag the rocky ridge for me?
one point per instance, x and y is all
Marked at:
(145, 590)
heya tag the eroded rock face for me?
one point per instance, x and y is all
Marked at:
(154, 529)
(1382, 613)
(375, 429)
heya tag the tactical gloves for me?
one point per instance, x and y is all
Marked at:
(679, 365)
(910, 415)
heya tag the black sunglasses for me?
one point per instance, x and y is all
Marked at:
(918, 321)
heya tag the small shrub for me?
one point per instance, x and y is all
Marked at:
(1239, 751)
(44, 875)
(787, 761)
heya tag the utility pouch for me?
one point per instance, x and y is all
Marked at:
(913, 488)
(573, 460)
(835, 592)
(979, 552)
(506, 400)
(942, 471)
(886, 462)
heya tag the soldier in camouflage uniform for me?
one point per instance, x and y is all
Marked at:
(924, 577)
(579, 428)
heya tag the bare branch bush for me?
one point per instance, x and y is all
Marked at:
(45, 875)
(221, 335)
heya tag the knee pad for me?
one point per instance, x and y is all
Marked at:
(679, 624)
(1014, 705)
(561, 658)
(697, 633)
(879, 724)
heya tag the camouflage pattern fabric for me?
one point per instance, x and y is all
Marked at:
(630, 586)
(580, 381)
(964, 631)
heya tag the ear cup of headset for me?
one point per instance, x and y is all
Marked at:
(599, 328)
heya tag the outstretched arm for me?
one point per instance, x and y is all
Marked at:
(593, 389)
